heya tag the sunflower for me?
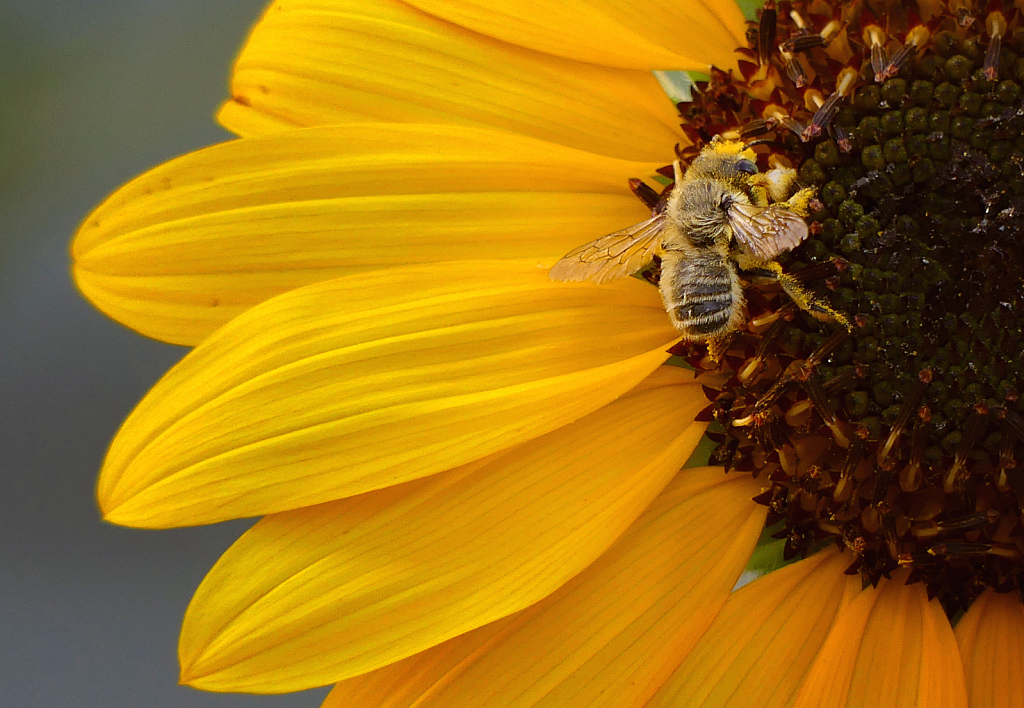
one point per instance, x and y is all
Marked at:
(470, 475)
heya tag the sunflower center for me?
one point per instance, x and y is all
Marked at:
(900, 439)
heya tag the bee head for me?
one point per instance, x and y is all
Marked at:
(724, 158)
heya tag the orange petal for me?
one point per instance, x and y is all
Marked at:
(363, 582)
(634, 34)
(189, 245)
(991, 639)
(372, 380)
(889, 648)
(612, 634)
(318, 62)
(759, 648)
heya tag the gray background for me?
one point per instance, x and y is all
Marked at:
(92, 93)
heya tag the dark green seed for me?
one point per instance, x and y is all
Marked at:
(970, 101)
(938, 121)
(962, 127)
(849, 244)
(826, 153)
(917, 145)
(946, 94)
(894, 150)
(811, 172)
(867, 228)
(849, 212)
(893, 91)
(869, 130)
(892, 122)
(958, 68)
(930, 68)
(832, 194)
(867, 98)
(916, 119)
(921, 91)
(938, 149)
(1008, 92)
(945, 43)
(872, 157)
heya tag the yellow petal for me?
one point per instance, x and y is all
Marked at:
(611, 634)
(363, 582)
(759, 648)
(368, 381)
(991, 639)
(634, 34)
(318, 62)
(889, 648)
(187, 246)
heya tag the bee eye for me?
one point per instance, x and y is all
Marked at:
(746, 166)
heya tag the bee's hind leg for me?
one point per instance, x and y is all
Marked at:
(805, 300)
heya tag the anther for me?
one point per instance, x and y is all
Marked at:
(874, 38)
(844, 487)
(644, 192)
(818, 355)
(816, 394)
(767, 340)
(995, 25)
(912, 475)
(959, 548)
(840, 382)
(776, 113)
(766, 33)
(1006, 459)
(794, 69)
(1013, 419)
(889, 531)
(755, 128)
(769, 435)
(916, 38)
(883, 480)
(841, 137)
(908, 408)
(975, 424)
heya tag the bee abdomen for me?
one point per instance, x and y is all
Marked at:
(703, 296)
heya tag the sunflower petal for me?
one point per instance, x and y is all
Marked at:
(634, 34)
(189, 245)
(889, 648)
(359, 583)
(318, 62)
(608, 636)
(759, 648)
(991, 639)
(372, 380)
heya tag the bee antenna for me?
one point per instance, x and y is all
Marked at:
(759, 141)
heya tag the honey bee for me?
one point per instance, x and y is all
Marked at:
(722, 217)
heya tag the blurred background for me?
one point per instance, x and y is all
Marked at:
(92, 92)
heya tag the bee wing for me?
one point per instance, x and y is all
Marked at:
(767, 231)
(613, 256)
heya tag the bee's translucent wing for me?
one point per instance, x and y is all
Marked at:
(613, 256)
(768, 231)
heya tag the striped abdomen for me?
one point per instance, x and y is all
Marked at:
(702, 294)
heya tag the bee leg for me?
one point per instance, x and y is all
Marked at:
(801, 201)
(718, 346)
(805, 300)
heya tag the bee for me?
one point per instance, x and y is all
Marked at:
(722, 217)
